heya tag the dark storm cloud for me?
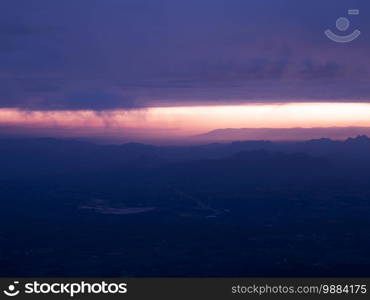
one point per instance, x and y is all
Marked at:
(96, 100)
(13, 30)
(37, 85)
(312, 69)
(92, 54)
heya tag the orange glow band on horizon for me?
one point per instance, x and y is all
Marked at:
(198, 119)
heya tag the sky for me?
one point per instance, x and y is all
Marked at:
(174, 68)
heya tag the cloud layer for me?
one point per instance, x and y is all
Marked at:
(114, 54)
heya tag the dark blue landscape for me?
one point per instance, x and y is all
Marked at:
(253, 208)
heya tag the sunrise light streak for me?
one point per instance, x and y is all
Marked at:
(198, 119)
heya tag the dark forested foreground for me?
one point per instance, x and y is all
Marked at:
(72, 208)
